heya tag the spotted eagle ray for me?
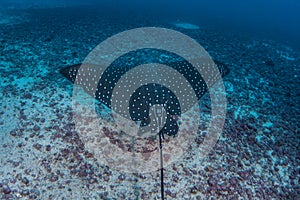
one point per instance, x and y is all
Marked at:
(149, 94)
(152, 93)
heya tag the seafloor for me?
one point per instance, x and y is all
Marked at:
(42, 157)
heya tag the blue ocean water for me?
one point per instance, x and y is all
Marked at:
(278, 20)
(56, 142)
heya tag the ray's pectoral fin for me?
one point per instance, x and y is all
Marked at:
(70, 71)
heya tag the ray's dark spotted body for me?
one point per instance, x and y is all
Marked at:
(150, 94)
